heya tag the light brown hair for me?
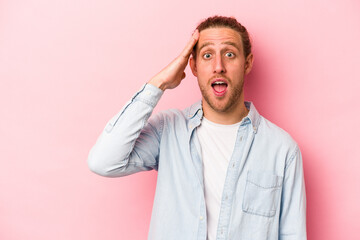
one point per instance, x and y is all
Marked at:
(229, 22)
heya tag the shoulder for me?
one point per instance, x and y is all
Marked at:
(275, 137)
(173, 114)
(170, 115)
(267, 132)
(275, 143)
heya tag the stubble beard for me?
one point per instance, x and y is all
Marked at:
(232, 101)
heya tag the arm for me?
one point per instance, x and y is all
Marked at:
(293, 202)
(130, 143)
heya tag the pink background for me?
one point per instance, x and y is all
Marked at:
(67, 66)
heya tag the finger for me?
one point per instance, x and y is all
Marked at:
(190, 45)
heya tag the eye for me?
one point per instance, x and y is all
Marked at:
(207, 55)
(230, 54)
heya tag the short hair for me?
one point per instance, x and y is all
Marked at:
(229, 22)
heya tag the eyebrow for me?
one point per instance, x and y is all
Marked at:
(226, 43)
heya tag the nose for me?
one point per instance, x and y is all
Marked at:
(219, 66)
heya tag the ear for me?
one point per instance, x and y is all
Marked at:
(192, 62)
(249, 63)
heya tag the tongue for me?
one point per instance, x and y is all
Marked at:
(219, 87)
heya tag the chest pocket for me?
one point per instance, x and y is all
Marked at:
(262, 193)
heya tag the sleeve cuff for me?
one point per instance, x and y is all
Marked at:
(149, 94)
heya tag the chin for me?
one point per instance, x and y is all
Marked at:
(220, 107)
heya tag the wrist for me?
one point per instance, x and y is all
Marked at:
(157, 83)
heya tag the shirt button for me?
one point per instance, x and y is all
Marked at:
(241, 138)
(201, 217)
(233, 165)
(226, 197)
(148, 92)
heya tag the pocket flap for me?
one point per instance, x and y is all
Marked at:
(264, 180)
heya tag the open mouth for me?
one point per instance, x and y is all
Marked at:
(219, 87)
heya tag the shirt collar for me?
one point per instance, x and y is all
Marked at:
(195, 112)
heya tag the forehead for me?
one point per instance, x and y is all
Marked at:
(219, 35)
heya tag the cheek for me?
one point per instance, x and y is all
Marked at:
(203, 66)
(200, 70)
(237, 69)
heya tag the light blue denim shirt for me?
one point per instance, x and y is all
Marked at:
(264, 191)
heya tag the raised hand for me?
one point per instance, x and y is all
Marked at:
(171, 76)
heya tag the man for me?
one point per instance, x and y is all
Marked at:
(224, 171)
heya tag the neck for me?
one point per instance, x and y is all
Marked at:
(231, 116)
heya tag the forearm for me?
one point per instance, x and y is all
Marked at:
(114, 153)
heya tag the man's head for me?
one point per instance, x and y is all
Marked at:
(221, 59)
(229, 22)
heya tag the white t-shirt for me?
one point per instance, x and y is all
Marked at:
(217, 143)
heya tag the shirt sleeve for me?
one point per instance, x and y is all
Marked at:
(293, 201)
(130, 141)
